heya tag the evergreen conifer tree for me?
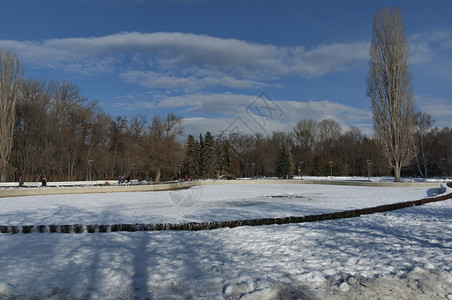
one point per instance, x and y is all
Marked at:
(226, 158)
(284, 163)
(320, 166)
(209, 164)
(192, 157)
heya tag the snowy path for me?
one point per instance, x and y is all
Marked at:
(405, 254)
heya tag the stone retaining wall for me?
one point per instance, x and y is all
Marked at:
(53, 190)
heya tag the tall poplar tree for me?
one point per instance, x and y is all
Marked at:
(389, 87)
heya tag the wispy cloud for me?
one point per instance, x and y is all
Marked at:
(294, 109)
(229, 107)
(207, 103)
(193, 81)
(439, 108)
(426, 47)
(189, 61)
(325, 109)
(163, 51)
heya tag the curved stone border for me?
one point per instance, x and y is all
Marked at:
(55, 190)
(196, 226)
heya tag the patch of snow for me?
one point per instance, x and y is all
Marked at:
(404, 254)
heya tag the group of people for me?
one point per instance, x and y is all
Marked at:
(22, 182)
(122, 180)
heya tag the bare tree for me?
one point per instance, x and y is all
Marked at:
(11, 73)
(348, 148)
(162, 147)
(305, 132)
(389, 87)
(425, 134)
(328, 132)
(69, 120)
(31, 139)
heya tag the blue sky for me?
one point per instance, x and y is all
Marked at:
(245, 65)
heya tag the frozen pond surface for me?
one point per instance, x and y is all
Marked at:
(199, 204)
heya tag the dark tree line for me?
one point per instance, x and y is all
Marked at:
(62, 135)
(313, 148)
(59, 134)
(307, 150)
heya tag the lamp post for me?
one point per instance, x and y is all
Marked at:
(331, 169)
(90, 162)
(369, 166)
(300, 169)
(252, 169)
(443, 166)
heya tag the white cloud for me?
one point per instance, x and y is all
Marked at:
(264, 114)
(133, 105)
(329, 58)
(197, 80)
(439, 108)
(232, 104)
(207, 103)
(159, 59)
(225, 126)
(196, 126)
(324, 109)
(218, 112)
(426, 47)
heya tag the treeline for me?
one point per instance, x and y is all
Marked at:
(315, 148)
(312, 148)
(61, 135)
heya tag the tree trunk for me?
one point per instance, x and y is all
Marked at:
(3, 168)
(157, 176)
(397, 168)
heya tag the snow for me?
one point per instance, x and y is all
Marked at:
(404, 254)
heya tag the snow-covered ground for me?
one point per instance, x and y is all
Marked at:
(404, 254)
